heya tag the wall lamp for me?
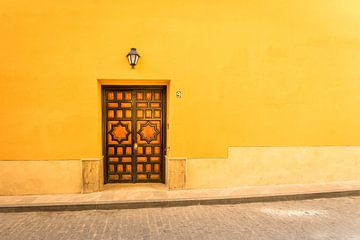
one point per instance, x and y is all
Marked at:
(133, 57)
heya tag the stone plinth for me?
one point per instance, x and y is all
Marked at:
(92, 175)
(176, 173)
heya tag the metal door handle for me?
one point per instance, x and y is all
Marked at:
(135, 146)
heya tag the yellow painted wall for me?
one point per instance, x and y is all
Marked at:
(252, 72)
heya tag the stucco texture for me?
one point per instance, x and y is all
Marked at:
(252, 73)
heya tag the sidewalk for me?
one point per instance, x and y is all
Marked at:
(156, 195)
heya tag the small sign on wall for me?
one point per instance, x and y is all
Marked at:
(178, 94)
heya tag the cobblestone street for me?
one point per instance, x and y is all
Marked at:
(337, 218)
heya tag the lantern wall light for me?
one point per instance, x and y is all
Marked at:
(133, 57)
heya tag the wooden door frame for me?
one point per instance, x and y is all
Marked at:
(164, 89)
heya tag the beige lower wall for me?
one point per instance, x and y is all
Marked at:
(40, 177)
(246, 166)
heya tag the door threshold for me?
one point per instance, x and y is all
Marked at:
(135, 186)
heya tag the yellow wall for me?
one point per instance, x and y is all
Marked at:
(252, 73)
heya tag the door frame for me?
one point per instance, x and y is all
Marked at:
(164, 89)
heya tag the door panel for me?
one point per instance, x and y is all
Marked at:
(134, 130)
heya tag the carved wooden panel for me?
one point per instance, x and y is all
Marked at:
(134, 129)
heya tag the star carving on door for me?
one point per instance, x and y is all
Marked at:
(148, 132)
(119, 132)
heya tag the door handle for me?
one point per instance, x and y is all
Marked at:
(135, 146)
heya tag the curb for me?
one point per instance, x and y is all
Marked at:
(172, 203)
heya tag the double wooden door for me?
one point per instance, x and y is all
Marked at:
(134, 133)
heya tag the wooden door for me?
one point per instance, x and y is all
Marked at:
(134, 133)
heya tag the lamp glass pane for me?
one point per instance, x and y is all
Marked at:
(136, 59)
(132, 59)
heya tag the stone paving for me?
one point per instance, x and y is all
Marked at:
(331, 218)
